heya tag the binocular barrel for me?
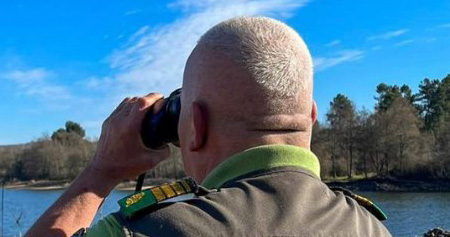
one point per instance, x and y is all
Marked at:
(162, 127)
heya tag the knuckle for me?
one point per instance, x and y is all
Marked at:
(154, 95)
(126, 99)
(141, 101)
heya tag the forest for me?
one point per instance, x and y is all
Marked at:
(405, 135)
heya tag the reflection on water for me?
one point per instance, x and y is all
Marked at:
(409, 214)
(23, 207)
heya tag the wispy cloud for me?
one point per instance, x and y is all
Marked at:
(96, 83)
(403, 43)
(333, 43)
(446, 25)
(376, 48)
(132, 12)
(322, 63)
(430, 39)
(153, 59)
(35, 82)
(388, 35)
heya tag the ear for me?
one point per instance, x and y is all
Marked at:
(313, 112)
(199, 125)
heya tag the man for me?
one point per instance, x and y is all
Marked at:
(245, 131)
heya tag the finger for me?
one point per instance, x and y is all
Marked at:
(122, 104)
(144, 103)
(129, 106)
(134, 99)
(140, 108)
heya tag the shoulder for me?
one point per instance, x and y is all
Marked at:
(169, 209)
(364, 202)
(142, 203)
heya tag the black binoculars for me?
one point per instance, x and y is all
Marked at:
(162, 127)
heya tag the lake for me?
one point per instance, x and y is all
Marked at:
(409, 214)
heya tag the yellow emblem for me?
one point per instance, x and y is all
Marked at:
(178, 188)
(134, 199)
(168, 191)
(158, 193)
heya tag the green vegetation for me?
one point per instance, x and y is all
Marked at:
(406, 136)
(62, 157)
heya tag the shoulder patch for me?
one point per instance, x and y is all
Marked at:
(366, 203)
(147, 198)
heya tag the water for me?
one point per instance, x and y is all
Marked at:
(26, 206)
(409, 214)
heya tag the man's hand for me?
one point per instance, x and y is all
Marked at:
(121, 153)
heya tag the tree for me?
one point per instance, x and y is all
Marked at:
(434, 101)
(75, 127)
(72, 135)
(387, 94)
(319, 145)
(399, 128)
(341, 118)
(365, 138)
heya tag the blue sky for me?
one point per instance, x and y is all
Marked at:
(75, 60)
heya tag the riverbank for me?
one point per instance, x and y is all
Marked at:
(392, 185)
(364, 185)
(45, 185)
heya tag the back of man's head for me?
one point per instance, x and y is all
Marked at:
(253, 75)
(272, 53)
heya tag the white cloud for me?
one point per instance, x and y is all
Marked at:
(376, 47)
(132, 12)
(333, 43)
(154, 58)
(447, 25)
(388, 35)
(403, 43)
(430, 39)
(322, 63)
(35, 82)
(96, 83)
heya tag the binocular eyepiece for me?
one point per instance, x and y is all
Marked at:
(162, 127)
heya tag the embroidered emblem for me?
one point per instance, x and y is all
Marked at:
(134, 199)
(143, 200)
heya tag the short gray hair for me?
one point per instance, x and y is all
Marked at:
(272, 52)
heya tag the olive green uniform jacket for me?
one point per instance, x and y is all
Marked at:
(264, 191)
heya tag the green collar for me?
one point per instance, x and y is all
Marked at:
(260, 158)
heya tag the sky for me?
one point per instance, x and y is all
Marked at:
(76, 60)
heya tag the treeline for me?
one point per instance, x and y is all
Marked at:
(407, 135)
(62, 156)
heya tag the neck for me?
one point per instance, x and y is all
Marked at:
(226, 146)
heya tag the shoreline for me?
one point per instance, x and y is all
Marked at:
(391, 185)
(358, 185)
(61, 185)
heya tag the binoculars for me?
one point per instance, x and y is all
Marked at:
(162, 127)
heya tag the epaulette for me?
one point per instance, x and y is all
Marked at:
(145, 199)
(366, 203)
